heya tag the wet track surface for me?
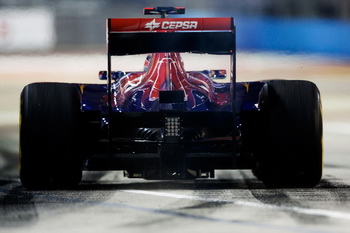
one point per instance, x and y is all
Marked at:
(235, 201)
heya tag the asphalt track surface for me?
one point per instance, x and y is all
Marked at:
(232, 202)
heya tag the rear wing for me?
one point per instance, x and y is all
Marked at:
(157, 35)
(153, 35)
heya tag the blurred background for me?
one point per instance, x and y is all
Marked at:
(291, 26)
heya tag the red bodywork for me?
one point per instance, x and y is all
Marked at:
(166, 72)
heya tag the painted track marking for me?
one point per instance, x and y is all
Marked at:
(43, 196)
(337, 128)
(295, 209)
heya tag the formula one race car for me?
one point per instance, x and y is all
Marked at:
(165, 122)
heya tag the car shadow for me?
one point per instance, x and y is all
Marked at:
(200, 184)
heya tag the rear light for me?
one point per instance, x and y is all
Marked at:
(172, 127)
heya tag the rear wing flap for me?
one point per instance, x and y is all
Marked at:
(147, 35)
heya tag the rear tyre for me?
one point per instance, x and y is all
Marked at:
(50, 136)
(291, 146)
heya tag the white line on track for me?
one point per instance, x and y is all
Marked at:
(9, 179)
(295, 209)
(337, 127)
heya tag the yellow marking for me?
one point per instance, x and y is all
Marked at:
(82, 88)
(246, 86)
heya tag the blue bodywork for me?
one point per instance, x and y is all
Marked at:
(94, 98)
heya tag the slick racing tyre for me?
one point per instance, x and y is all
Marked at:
(49, 136)
(291, 137)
